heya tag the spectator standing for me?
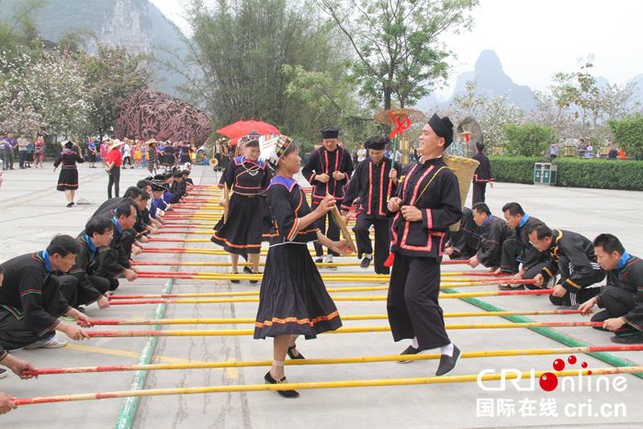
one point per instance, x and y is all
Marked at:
(39, 151)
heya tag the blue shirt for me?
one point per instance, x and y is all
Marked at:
(621, 262)
(524, 220)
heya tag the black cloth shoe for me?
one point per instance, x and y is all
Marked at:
(285, 393)
(248, 270)
(3, 373)
(366, 262)
(410, 350)
(448, 363)
(292, 355)
(628, 339)
(319, 260)
(234, 281)
(70, 204)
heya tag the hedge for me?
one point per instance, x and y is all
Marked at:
(573, 172)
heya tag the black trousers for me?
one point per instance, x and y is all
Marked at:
(76, 296)
(616, 302)
(412, 304)
(9, 159)
(15, 333)
(22, 157)
(333, 230)
(581, 295)
(382, 240)
(479, 189)
(114, 180)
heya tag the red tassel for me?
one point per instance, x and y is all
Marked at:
(389, 261)
(466, 138)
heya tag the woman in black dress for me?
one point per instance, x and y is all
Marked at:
(68, 178)
(241, 233)
(293, 299)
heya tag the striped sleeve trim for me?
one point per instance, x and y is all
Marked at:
(52, 326)
(571, 283)
(28, 291)
(293, 230)
(3, 355)
(633, 325)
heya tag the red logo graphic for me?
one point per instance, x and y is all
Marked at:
(548, 381)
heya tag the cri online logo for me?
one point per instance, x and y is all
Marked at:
(548, 381)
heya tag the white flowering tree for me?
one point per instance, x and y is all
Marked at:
(48, 94)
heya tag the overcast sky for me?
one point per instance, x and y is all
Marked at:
(536, 38)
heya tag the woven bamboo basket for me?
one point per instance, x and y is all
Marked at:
(463, 169)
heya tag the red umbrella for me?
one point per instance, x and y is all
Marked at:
(262, 127)
(232, 130)
(242, 128)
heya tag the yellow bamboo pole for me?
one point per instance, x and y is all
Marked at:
(256, 293)
(335, 298)
(236, 321)
(335, 361)
(325, 385)
(228, 264)
(344, 330)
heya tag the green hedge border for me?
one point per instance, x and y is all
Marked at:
(573, 172)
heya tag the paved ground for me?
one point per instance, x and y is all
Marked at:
(31, 212)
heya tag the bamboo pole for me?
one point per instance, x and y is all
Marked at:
(256, 292)
(347, 276)
(323, 385)
(332, 361)
(335, 298)
(235, 321)
(344, 330)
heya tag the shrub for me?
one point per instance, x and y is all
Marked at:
(573, 172)
(529, 139)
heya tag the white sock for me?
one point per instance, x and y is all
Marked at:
(278, 363)
(414, 343)
(368, 255)
(447, 350)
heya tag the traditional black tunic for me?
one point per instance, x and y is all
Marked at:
(168, 158)
(83, 285)
(242, 233)
(481, 177)
(495, 233)
(30, 301)
(465, 241)
(572, 256)
(371, 184)
(293, 298)
(623, 295)
(519, 250)
(115, 259)
(68, 178)
(322, 161)
(413, 308)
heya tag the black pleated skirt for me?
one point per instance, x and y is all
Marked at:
(68, 179)
(242, 233)
(293, 298)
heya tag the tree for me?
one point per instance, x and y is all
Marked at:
(330, 97)
(245, 53)
(399, 57)
(529, 139)
(493, 115)
(47, 94)
(110, 77)
(628, 134)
